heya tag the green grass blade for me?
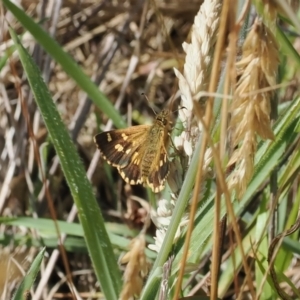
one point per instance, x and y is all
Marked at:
(96, 237)
(29, 278)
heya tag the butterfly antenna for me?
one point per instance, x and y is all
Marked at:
(143, 94)
(182, 107)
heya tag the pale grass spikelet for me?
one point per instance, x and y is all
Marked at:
(250, 108)
(196, 72)
(198, 58)
(136, 268)
(200, 51)
(162, 218)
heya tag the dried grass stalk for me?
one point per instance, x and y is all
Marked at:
(136, 269)
(250, 108)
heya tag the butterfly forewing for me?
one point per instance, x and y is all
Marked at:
(119, 146)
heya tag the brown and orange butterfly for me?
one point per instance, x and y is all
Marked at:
(139, 152)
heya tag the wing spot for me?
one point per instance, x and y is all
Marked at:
(161, 163)
(127, 151)
(124, 136)
(126, 179)
(109, 139)
(136, 161)
(155, 189)
(119, 147)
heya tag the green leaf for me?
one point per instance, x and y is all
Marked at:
(96, 237)
(29, 278)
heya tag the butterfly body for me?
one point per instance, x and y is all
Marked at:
(139, 152)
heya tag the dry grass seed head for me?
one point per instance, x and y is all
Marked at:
(196, 71)
(199, 54)
(136, 269)
(250, 108)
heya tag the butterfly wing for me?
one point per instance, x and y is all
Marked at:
(159, 170)
(123, 148)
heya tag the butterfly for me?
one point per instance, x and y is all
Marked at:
(139, 152)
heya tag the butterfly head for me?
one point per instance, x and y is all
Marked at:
(163, 117)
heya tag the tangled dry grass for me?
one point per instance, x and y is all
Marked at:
(167, 50)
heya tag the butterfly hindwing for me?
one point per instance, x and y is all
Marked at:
(131, 173)
(159, 172)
